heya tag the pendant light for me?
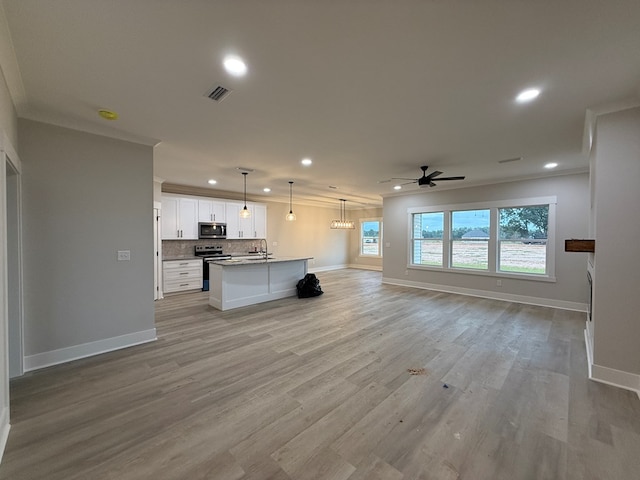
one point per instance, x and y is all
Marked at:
(343, 223)
(290, 216)
(245, 213)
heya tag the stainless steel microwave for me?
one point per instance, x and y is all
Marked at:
(212, 230)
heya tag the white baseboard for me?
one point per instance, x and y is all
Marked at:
(507, 297)
(588, 342)
(617, 378)
(63, 355)
(326, 269)
(5, 426)
(610, 376)
(365, 267)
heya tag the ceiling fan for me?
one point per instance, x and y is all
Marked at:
(425, 180)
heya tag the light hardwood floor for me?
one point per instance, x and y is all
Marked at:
(319, 389)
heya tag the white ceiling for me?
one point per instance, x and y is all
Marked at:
(368, 89)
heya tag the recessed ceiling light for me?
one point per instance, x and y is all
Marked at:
(212, 182)
(527, 95)
(397, 187)
(108, 114)
(234, 66)
(551, 165)
(266, 189)
(306, 162)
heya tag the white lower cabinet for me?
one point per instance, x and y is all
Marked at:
(181, 275)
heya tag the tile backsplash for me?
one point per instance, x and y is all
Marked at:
(185, 248)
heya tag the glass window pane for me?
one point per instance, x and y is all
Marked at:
(370, 238)
(470, 239)
(427, 238)
(523, 239)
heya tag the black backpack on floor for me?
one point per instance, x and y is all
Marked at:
(309, 286)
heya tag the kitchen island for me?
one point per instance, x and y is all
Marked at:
(239, 282)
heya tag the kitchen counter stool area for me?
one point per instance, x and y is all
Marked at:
(236, 284)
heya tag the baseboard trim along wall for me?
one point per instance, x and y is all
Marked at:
(326, 269)
(507, 297)
(5, 426)
(366, 267)
(63, 355)
(616, 378)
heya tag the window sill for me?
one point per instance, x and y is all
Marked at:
(369, 256)
(485, 273)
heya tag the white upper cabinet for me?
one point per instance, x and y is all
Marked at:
(181, 214)
(211, 211)
(260, 221)
(179, 218)
(238, 227)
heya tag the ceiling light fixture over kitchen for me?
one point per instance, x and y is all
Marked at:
(245, 213)
(306, 162)
(343, 223)
(290, 216)
(527, 95)
(235, 66)
(212, 182)
(551, 165)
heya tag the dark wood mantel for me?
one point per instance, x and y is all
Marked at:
(575, 245)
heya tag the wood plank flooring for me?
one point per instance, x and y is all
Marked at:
(319, 388)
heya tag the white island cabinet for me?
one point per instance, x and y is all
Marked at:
(238, 283)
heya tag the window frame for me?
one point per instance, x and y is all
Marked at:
(361, 238)
(494, 228)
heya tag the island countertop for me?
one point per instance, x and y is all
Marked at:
(248, 260)
(241, 282)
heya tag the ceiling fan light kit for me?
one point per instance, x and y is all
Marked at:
(426, 180)
(343, 223)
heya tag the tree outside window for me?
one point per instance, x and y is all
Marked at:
(522, 239)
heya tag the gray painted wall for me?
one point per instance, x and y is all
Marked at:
(617, 230)
(84, 197)
(572, 192)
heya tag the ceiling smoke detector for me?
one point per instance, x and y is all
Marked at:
(218, 93)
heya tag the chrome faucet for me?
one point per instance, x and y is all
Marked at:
(264, 252)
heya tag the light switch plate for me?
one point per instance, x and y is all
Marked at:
(124, 255)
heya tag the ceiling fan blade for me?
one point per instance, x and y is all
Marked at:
(384, 181)
(409, 183)
(402, 178)
(433, 174)
(450, 178)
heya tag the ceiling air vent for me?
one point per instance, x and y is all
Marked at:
(218, 93)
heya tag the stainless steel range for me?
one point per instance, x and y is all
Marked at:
(209, 252)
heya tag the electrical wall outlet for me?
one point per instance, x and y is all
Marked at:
(499, 283)
(124, 255)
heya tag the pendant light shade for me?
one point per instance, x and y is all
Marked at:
(245, 212)
(290, 216)
(343, 223)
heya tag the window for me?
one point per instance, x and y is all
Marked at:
(428, 229)
(370, 238)
(506, 238)
(522, 239)
(470, 239)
